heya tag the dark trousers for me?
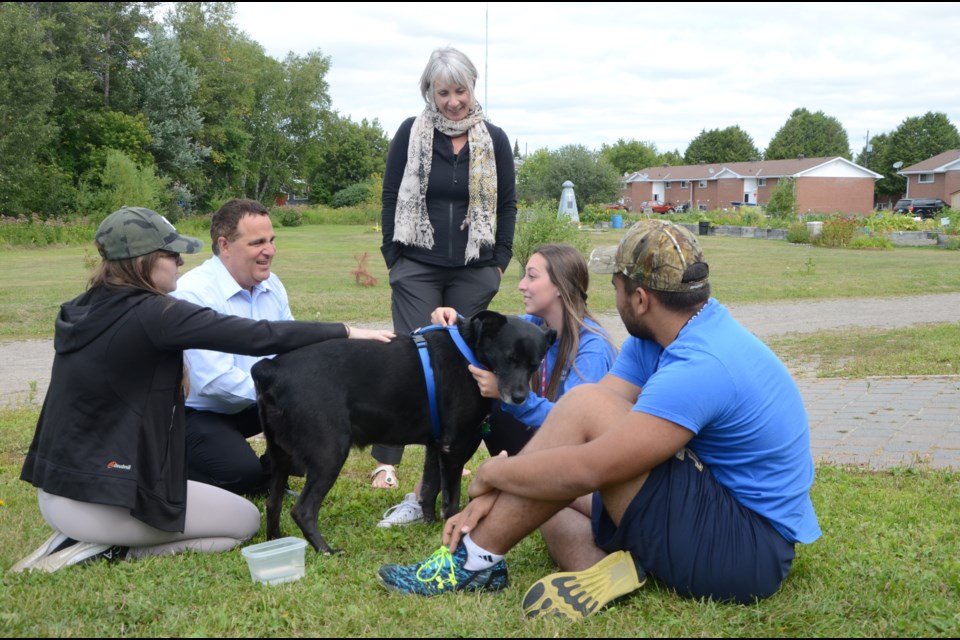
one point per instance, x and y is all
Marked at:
(218, 452)
(505, 433)
(418, 289)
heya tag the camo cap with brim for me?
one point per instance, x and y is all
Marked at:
(658, 255)
(136, 231)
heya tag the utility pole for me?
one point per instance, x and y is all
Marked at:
(486, 56)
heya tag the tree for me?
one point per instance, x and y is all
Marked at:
(166, 87)
(915, 140)
(260, 116)
(347, 153)
(627, 157)
(717, 146)
(26, 99)
(673, 158)
(814, 135)
(543, 173)
(293, 104)
(516, 149)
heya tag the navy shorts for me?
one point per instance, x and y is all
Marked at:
(689, 533)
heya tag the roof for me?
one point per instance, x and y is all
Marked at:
(946, 161)
(752, 169)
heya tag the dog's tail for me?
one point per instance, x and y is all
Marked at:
(264, 373)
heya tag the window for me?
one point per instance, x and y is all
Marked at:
(761, 182)
(684, 184)
(703, 184)
(666, 185)
(926, 178)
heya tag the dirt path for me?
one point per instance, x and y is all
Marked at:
(26, 369)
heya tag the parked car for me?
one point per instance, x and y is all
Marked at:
(923, 207)
(657, 206)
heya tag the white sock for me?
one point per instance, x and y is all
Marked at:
(478, 558)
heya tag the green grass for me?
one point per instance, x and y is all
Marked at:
(887, 564)
(316, 264)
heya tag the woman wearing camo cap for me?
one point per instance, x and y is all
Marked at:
(107, 456)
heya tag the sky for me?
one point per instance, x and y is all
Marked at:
(589, 73)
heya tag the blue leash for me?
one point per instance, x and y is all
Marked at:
(421, 342)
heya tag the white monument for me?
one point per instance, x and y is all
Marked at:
(568, 203)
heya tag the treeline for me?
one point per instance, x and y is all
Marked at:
(102, 104)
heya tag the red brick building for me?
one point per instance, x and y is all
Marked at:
(936, 177)
(823, 185)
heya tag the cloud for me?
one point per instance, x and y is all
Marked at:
(592, 73)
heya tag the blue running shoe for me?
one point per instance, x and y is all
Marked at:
(442, 572)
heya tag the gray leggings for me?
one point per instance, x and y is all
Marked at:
(216, 520)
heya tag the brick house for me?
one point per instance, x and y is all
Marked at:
(936, 177)
(823, 185)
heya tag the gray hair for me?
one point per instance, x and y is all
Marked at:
(449, 65)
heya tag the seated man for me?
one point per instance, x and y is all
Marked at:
(222, 403)
(695, 448)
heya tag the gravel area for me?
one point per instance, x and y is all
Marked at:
(27, 370)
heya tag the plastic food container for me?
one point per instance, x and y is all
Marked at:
(276, 561)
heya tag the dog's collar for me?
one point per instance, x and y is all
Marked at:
(458, 340)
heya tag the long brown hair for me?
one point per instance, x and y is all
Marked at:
(128, 272)
(135, 274)
(569, 274)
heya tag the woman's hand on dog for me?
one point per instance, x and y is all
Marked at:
(444, 316)
(487, 381)
(380, 335)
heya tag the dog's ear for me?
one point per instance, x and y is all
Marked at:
(488, 321)
(551, 336)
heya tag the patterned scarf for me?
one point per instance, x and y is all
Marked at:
(412, 224)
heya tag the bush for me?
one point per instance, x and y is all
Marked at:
(592, 214)
(540, 225)
(34, 231)
(838, 232)
(797, 233)
(288, 216)
(783, 201)
(353, 195)
(871, 242)
(123, 183)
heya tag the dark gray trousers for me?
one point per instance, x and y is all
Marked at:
(418, 289)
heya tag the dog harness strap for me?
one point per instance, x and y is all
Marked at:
(464, 349)
(421, 343)
(458, 340)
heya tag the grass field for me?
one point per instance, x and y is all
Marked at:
(887, 566)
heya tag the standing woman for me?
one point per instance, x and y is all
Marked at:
(108, 455)
(554, 288)
(449, 209)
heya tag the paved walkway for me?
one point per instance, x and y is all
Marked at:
(873, 422)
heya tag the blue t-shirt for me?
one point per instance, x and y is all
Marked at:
(595, 355)
(750, 426)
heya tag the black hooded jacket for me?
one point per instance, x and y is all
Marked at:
(111, 430)
(447, 200)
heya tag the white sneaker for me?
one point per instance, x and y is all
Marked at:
(55, 542)
(407, 512)
(80, 552)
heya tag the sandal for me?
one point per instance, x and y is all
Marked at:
(389, 477)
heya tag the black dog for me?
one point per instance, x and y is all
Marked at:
(318, 401)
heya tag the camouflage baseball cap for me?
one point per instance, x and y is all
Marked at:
(136, 231)
(658, 254)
